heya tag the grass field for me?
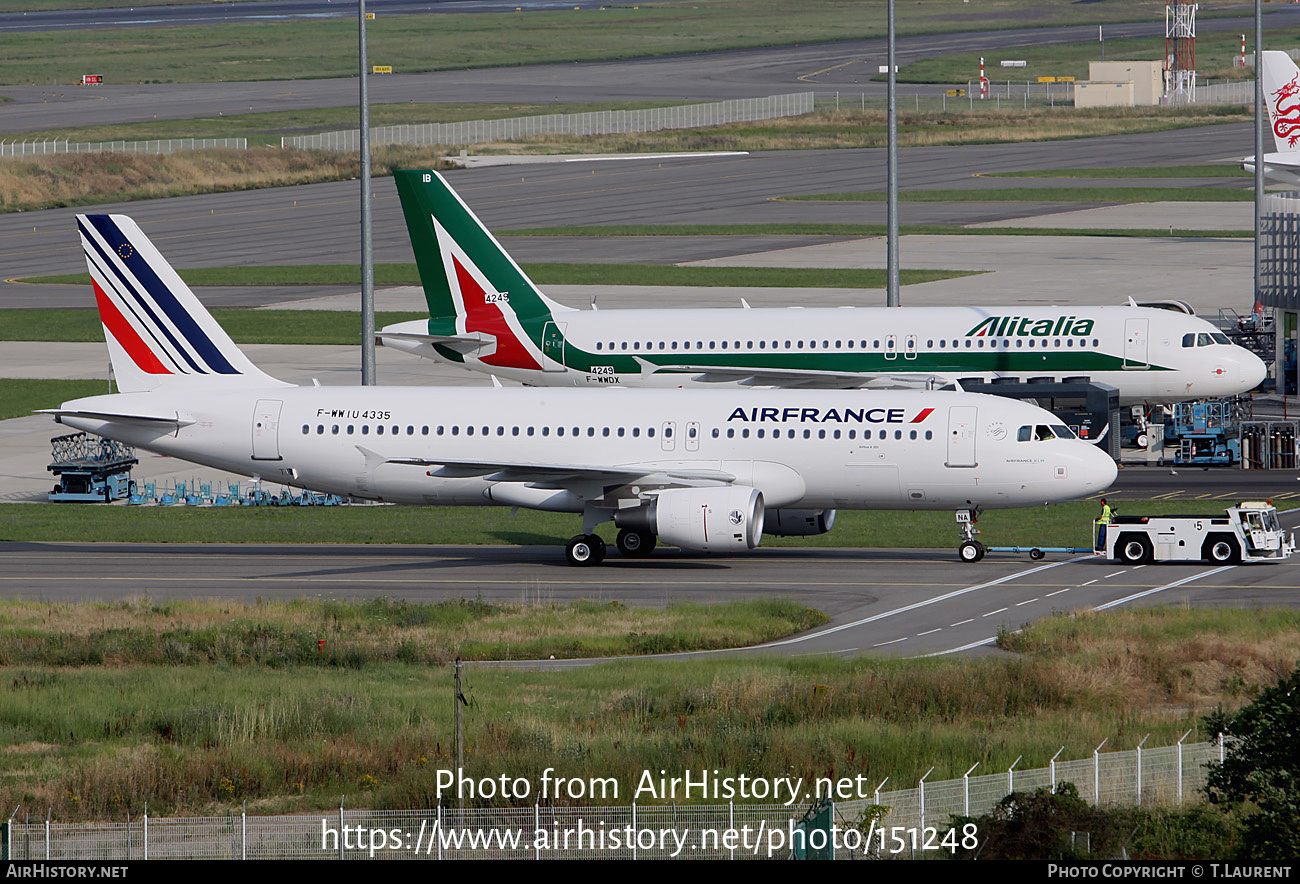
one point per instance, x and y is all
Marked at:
(1063, 524)
(21, 397)
(85, 179)
(244, 326)
(1204, 170)
(271, 50)
(1048, 194)
(243, 714)
(1215, 53)
(855, 230)
(265, 129)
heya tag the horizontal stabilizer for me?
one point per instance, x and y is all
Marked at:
(466, 343)
(174, 419)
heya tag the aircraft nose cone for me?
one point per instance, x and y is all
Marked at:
(1099, 469)
(1252, 370)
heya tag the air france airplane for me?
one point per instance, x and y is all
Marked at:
(1282, 98)
(486, 314)
(698, 469)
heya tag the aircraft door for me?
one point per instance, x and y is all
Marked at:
(1135, 343)
(553, 347)
(266, 429)
(668, 435)
(961, 436)
(891, 347)
(910, 352)
(692, 435)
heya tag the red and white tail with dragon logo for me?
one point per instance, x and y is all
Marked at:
(1282, 95)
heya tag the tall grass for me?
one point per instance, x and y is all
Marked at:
(102, 740)
(85, 179)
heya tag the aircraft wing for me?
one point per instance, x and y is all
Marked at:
(557, 474)
(808, 378)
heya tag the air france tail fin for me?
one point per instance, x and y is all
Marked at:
(1282, 98)
(159, 335)
(475, 290)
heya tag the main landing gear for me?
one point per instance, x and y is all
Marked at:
(589, 549)
(635, 544)
(585, 549)
(970, 550)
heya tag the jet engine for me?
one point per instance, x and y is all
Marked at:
(783, 522)
(722, 519)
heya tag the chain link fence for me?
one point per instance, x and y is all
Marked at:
(1169, 775)
(688, 116)
(46, 146)
(1002, 94)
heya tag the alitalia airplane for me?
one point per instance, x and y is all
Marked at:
(1282, 98)
(486, 314)
(698, 469)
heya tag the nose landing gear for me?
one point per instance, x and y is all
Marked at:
(970, 550)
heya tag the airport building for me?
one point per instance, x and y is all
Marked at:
(1279, 286)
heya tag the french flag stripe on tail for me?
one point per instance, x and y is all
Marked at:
(127, 294)
(124, 334)
(132, 279)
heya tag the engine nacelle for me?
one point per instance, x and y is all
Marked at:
(783, 522)
(724, 519)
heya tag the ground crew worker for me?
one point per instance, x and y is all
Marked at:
(1102, 521)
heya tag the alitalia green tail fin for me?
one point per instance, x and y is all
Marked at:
(470, 283)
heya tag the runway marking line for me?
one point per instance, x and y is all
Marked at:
(1173, 585)
(991, 613)
(833, 67)
(912, 607)
(1106, 606)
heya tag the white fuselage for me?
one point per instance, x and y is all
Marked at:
(1150, 355)
(850, 449)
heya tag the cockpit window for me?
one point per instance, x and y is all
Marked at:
(1042, 432)
(1189, 339)
(1203, 340)
(1220, 338)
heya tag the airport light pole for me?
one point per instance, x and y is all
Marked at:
(1261, 119)
(891, 150)
(367, 246)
